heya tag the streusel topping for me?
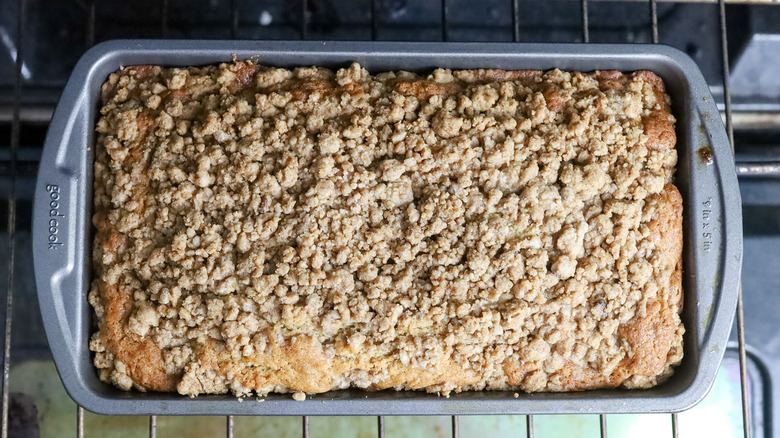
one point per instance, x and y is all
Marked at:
(265, 229)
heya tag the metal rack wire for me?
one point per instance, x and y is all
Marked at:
(744, 169)
(9, 304)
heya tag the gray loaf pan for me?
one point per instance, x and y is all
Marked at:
(62, 230)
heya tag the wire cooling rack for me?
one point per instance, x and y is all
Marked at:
(743, 169)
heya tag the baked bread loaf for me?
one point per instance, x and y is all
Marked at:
(264, 230)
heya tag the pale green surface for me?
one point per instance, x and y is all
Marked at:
(720, 413)
(39, 379)
(491, 426)
(180, 427)
(98, 426)
(655, 425)
(342, 427)
(585, 426)
(412, 427)
(717, 416)
(281, 427)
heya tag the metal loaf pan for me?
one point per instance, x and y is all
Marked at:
(62, 230)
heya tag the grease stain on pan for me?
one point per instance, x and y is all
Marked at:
(705, 154)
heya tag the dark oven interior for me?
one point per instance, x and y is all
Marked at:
(736, 45)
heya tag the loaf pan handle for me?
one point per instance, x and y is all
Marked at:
(61, 225)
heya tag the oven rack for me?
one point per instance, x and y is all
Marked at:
(744, 169)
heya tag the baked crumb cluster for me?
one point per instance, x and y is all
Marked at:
(270, 230)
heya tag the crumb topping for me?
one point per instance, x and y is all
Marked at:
(270, 230)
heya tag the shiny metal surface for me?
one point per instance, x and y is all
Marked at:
(758, 169)
(10, 286)
(80, 422)
(740, 308)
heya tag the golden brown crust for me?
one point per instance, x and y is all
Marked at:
(302, 364)
(658, 125)
(579, 378)
(667, 227)
(244, 76)
(653, 336)
(553, 98)
(654, 80)
(262, 229)
(141, 356)
(659, 131)
(496, 75)
(610, 79)
(424, 89)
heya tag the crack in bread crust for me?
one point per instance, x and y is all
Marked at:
(270, 230)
